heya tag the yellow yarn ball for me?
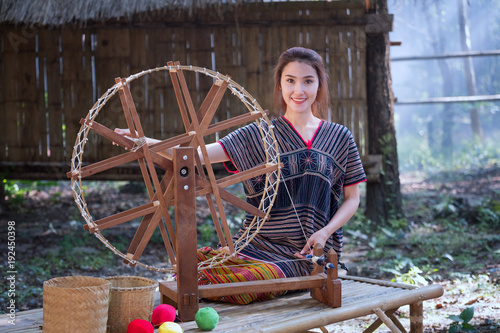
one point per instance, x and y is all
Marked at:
(169, 327)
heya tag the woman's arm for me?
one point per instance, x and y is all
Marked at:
(343, 214)
(215, 152)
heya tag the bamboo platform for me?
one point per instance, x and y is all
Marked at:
(298, 312)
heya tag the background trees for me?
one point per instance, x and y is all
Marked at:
(445, 135)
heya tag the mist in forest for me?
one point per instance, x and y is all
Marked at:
(444, 135)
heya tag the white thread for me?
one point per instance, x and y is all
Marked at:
(138, 143)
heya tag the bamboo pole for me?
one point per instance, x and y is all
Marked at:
(450, 55)
(453, 99)
(387, 321)
(416, 317)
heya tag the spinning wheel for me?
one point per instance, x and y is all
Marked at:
(197, 125)
(182, 179)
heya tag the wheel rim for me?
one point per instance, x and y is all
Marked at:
(79, 172)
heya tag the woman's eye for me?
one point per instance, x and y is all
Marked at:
(289, 80)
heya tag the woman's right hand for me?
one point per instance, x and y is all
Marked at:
(126, 133)
(123, 132)
(214, 150)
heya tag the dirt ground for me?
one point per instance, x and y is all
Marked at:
(47, 219)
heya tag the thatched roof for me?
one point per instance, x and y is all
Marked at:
(60, 12)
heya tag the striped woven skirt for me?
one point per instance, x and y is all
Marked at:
(238, 269)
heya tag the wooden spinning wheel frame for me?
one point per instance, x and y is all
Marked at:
(160, 191)
(183, 180)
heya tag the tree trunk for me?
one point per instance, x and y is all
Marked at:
(383, 198)
(470, 76)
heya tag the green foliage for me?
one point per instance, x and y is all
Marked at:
(17, 191)
(206, 231)
(207, 235)
(461, 322)
(449, 238)
(489, 214)
(405, 271)
(388, 145)
(416, 155)
(14, 195)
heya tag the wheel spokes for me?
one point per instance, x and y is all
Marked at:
(186, 103)
(161, 194)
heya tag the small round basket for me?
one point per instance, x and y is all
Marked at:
(132, 297)
(75, 304)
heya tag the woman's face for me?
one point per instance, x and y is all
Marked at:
(299, 86)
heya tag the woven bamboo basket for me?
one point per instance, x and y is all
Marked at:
(132, 297)
(75, 304)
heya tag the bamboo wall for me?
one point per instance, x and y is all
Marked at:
(52, 77)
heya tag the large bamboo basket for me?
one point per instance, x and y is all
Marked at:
(75, 304)
(132, 297)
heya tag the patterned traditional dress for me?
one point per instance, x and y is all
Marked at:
(314, 175)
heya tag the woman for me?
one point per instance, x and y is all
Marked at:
(320, 164)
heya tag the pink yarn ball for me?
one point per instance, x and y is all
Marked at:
(140, 326)
(163, 313)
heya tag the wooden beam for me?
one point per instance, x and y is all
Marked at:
(185, 220)
(226, 15)
(260, 286)
(387, 321)
(231, 198)
(453, 99)
(247, 174)
(489, 53)
(126, 216)
(376, 324)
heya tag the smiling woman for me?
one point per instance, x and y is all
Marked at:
(321, 168)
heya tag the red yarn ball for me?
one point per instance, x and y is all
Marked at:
(163, 313)
(140, 326)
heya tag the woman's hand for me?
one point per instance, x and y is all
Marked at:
(215, 152)
(126, 133)
(343, 214)
(319, 237)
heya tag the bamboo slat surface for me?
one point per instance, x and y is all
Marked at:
(296, 312)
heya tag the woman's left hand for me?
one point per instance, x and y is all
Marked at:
(319, 237)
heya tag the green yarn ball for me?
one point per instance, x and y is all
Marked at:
(206, 319)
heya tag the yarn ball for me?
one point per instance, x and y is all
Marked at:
(140, 326)
(206, 319)
(169, 327)
(163, 313)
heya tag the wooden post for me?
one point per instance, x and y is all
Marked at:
(317, 293)
(417, 317)
(333, 283)
(185, 223)
(331, 291)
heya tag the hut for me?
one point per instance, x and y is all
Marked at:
(58, 58)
